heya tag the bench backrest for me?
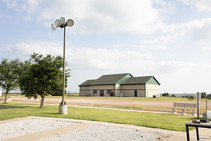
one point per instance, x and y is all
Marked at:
(185, 105)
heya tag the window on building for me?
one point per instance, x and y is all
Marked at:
(94, 91)
(108, 91)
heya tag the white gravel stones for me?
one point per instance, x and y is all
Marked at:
(29, 126)
(94, 132)
(105, 133)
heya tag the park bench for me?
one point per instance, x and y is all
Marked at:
(184, 107)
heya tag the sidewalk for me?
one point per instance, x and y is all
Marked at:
(81, 124)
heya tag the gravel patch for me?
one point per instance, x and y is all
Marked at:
(105, 133)
(29, 126)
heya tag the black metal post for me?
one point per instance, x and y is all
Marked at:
(197, 96)
(187, 133)
(197, 133)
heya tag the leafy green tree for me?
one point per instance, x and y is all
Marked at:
(190, 97)
(44, 77)
(10, 70)
(165, 94)
(203, 95)
(209, 96)
(173, 95)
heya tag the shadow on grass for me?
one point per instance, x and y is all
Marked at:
(54, 115)
(50, 114)
(11, 106)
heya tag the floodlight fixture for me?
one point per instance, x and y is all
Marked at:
(62, 20)
(53, 27)
(61, 23)
(70, 22)
(57, 23)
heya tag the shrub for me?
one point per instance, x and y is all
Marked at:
(190, 97)
(165, 94)
(203, 95)
(173, 95)
(209, 96)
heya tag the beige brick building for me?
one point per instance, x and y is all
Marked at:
(121, 85)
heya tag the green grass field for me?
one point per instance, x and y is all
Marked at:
(130, 105)
(163, 121)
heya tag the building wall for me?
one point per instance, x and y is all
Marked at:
(84, 91)
(147, 90)
(117, 90)
(129, 90)
(152, 90)
(103, 88)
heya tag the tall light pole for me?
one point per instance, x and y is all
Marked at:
(61, 23)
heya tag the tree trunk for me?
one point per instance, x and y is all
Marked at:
(5, 99)
(42, 101)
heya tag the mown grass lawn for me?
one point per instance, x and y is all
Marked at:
(163, 121)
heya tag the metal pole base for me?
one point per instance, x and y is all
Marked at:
(63, 109)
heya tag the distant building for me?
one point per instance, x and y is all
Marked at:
(121, 85)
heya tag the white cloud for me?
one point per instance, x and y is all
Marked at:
(203, 30)
(25, 49)
(206, 48)
(165, 50)
(28, 18)
(198, 30)
(160, 43)
(29, 6)
(166, 7)
(89, 63)
(202, 5)
(181, 28)
(94, 15)
(98, 59)
(105, 59)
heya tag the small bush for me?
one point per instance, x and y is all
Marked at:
(190, 97)
(173, 95)
(209, 96)
(165, 94)
(203, 95)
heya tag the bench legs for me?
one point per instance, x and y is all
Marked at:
(183, 111)
(174, 111)
(194, 113)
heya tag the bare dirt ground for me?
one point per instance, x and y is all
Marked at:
(151, 105)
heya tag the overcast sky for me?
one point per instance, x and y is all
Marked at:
(169, 39)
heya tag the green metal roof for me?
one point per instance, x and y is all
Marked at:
(122, 79)
(110, 79)
(107, 80)
(87, 83)
(141, 80)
